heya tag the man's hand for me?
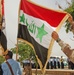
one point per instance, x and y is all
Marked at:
(72, 27)
(55, 35)
(70, 19)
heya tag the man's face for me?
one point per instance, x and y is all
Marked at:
(6, 57)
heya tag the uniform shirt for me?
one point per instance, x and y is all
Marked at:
(66, 48)
(15, 67)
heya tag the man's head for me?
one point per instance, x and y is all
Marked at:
(9, 55)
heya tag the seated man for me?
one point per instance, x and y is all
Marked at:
(64, 46)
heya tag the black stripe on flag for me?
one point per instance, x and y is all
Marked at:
(3, 40)
(41, 51)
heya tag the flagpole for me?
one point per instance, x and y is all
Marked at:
(17, 39)
(0, 19)
(0, 14)
(17, 51)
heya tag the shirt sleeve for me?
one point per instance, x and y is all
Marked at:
(4, 68)
(67, 50)
(19, 69)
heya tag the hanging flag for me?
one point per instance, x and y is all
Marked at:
(35, 27)
(3, 40)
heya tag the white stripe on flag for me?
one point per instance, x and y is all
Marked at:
(38, 23)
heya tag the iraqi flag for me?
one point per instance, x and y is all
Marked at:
(36, 24)
(3, 40)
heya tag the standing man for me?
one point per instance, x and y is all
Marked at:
(16, 69)
(58, 62)
(62, 62)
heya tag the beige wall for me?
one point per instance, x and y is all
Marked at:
(56, 72)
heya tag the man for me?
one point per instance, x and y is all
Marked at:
(14, 65)
(65, 47)
(62, 62)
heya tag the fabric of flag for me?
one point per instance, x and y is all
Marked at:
(3, 40)
(36, 25)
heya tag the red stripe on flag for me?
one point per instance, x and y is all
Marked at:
(51, 16)
(2, 7)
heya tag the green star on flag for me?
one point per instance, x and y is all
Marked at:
(41, 32)
(22, 18)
